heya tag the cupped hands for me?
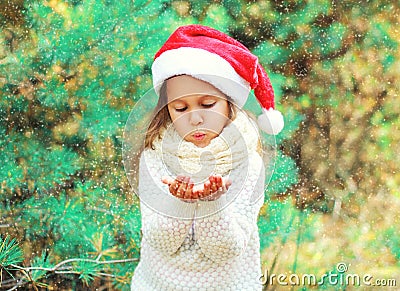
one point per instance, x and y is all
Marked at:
(183, 188)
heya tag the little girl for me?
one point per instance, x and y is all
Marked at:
(201, 173)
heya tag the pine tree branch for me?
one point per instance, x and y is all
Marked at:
(60, 268)
(15, 287)
(59, 265)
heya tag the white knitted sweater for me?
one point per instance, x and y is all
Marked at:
(205, 245)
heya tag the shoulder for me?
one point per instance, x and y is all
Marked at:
(149, 158)
(255, 160)
(252, 168)
(148, 153)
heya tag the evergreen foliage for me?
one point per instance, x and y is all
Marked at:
(10, 253)
(71, 71)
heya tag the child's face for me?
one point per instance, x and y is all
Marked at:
(198, 110)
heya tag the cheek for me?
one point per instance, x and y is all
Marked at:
(216, 121)
(176, 117)
(221, 113)
(180, 122)
(223, 109)
(172, 115)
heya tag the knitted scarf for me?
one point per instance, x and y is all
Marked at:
(224, 153)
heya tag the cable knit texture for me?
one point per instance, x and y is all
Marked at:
(205, 245)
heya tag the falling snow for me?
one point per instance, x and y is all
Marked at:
(71, 71)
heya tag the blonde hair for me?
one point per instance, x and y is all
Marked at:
(162, 118)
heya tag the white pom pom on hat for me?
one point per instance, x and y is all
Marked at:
(214, 57)
(271, 121)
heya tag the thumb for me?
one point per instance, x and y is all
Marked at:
(167, 180)
(227, 183)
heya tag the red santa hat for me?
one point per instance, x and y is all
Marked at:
(212, 56)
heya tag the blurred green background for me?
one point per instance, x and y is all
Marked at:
(71, 72)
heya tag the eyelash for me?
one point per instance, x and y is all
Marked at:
(209, 105)
(180, 109)
(204, 105)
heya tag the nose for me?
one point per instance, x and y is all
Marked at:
(195, 117)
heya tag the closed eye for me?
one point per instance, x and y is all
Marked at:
(209, 105)
(180, 109)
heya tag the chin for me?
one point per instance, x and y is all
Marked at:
(201, 144)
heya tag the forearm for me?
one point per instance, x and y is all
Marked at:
(223, 228)
(165, 219)
(164, 233)
(223, 234)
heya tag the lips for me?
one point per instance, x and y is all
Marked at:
(199, 136)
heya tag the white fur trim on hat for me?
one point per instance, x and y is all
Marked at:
(271, 121)
(203, 65)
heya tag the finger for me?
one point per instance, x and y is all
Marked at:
(185, 181)
(207, 188)
(187, 189)
(227, 183)
(201, 193)
(219, 183)
(198, 191)
(167, 180)
(213, 184)
(189, 192)
(180, 192)
(173, 187)
(209, 182)
(195, 194)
